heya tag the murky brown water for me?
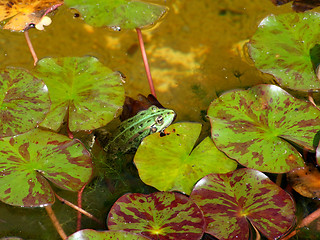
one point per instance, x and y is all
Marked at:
(194, 55)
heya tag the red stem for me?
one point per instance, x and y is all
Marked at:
(33, 53)
(55, 222)
(145, 61)
(80, 206)
(79, 209)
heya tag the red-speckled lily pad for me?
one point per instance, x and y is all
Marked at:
(105, 235)
(118, 14)
(251, 126)
(24, 101)
(287, 46)
(82, 87)
(160, 215)
(229, 201)
(28, 160)
(171, 163)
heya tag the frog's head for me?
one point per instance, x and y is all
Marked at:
(163, 118)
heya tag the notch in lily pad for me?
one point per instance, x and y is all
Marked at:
(24, 101)
(286, 47)
(255, 127)
(172, 163)
(160, 215)
(118, 14)
(82, 88)
(30, 160)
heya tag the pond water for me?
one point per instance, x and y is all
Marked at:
(195, 54)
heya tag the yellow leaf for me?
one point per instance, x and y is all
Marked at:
(24, 12)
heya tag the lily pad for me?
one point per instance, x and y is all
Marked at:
(230, 201)
(286, 46)
(160, 215)
(118, 14)
(24, 102)
(105, 235)
(84, 89)
(25, 12)
(171, 163)
(28, 160)
(254, 127)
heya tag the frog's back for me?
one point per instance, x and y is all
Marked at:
(130, 132)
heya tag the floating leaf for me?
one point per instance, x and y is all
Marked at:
(90, 92)
(24, 101)
(160, 215)
(25, 12)
(229, 201)
(118, 14)
(287, 46)
(105, 235)
(171, 163)
(252, 126)
(28, 160)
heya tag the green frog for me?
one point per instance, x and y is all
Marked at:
(130, 132)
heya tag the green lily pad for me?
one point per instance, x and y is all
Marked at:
(105, 235)
(287, 46)
(83, 88)
(171, 163)
(118, 14)
(160, 215)
(24, 102)
(230, 201)
(28, 160)
(252, 126)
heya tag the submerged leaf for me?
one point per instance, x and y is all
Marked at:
(287, 46)
(24, 101)
(171, 163)
(229, 201)
(252, 126)
(306, 181)
(28, 160)
(25, 12)
(160, 215)
(84, 89)
(118, 14)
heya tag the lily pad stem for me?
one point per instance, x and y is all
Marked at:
(33, 53)
(80, 206)
(56, 222)
(89, 215)
(145, 61)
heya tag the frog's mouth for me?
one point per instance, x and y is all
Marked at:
(162, 132)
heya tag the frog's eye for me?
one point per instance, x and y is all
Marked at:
(159, 120)
(154, 108)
